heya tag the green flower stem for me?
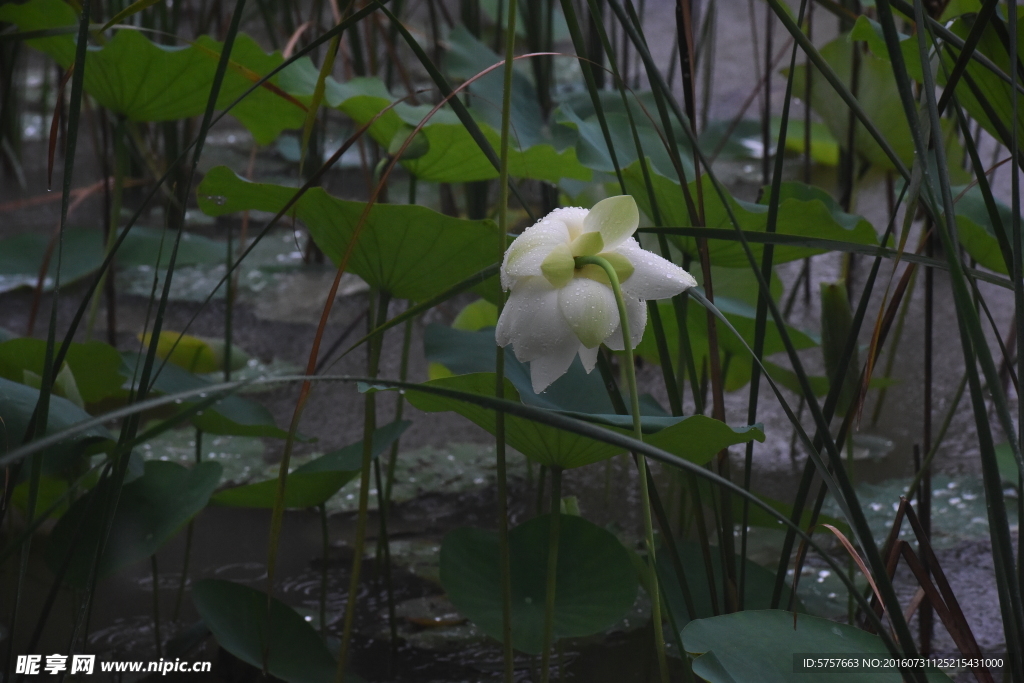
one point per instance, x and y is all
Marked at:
(641, 461)
(552, 573)
(369, 424)
(499, 360)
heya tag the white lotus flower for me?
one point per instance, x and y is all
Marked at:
(557, 310)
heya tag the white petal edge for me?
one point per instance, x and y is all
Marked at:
(547, 368)
(589, 357)
(572, 216)
(653, 277)
(589, 309)
(636, 311)
(531, 320)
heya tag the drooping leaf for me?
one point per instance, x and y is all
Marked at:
(804, 211)
(696, 438)
(410, 251)
(596, 583)
(150, 511)
(764, 646)
(316, 481)
(279, 637)
(17, 403)
(229, 415)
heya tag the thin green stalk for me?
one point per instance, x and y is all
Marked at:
(554, 524)
(499, 361)
(369, 425)
(641, 461)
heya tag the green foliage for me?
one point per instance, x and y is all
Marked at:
(406, 250)
(228, 415)
(760, 646)
(143, 81)
(757, 594)
(150, 511)
(596, 583)
(18, 403)
(696, 438)
(803, 211)
(316, 481)
(277, 640)
(95, 366)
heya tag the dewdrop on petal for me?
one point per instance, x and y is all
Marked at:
(557, 311)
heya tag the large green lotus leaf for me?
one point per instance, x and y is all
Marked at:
(144, 245)
(316, 481)
(696, 438)
(18, 402)
(577, 112)
(280, 638)
(596, 582)
(96, 366)
(144, 81)
(876, 87)
(977, 234)
(229, 415)
(735, 295)
(407, 250)
(452, 156)
(21, 257)
(803, 211)
(150, 511)
(996, 93)
(764, 647)
(759, 583)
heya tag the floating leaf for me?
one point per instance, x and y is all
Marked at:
(767, 646)
(21, 257)
(150, 510)
(409, 251)
(316, 481)
(596, 583)
(696, 438)
(278, 639)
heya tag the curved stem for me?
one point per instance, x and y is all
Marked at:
(369, 424)
(552, 572)
(641, 461)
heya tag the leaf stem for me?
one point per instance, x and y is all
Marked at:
(554, 525)
(641, 461)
